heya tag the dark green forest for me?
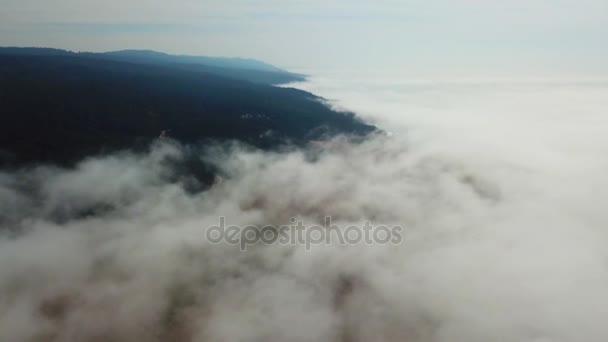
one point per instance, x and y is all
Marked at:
(58, 106)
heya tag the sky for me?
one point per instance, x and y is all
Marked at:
(538, 36)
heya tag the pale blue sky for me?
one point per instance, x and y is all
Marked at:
(329, 34)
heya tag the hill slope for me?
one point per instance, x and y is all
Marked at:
(237, 68)
(61, 107)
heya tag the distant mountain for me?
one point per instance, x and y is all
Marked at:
(32, 51)
(160, 57)
(59, 107)
(238, 68)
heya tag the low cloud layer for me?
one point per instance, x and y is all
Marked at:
(501, 243)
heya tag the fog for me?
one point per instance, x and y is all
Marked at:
(500, 187)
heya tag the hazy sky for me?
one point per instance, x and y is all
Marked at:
(329, 34)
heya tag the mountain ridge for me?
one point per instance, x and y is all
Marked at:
(248, 69)
(60, 108)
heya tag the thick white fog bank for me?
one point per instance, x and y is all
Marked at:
(551, 133)
(542, 145)
(499, 187)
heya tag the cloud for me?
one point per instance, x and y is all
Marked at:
(500, 190)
